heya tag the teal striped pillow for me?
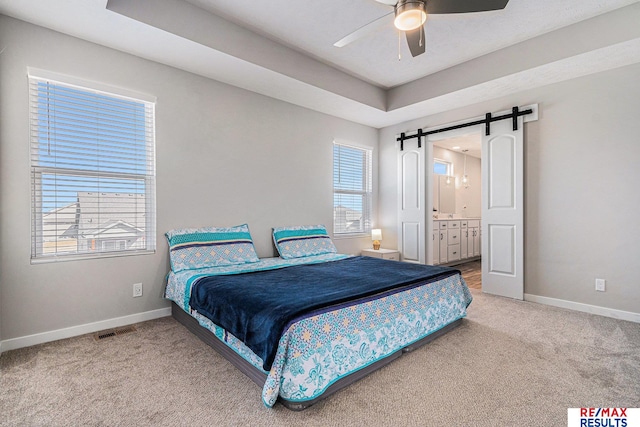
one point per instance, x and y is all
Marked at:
(193, 248)
(302, 241)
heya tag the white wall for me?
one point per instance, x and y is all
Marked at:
(225, 156)
(581, 179)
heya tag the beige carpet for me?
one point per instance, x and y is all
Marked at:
(510, 364)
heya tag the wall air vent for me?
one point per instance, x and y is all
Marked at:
(113, 332)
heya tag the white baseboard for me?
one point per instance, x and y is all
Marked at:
(74, 331)
(586, 308)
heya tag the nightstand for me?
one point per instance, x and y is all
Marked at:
(382, 253)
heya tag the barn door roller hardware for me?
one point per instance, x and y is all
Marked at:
(488, 119)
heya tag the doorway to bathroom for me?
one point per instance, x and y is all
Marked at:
(456, 184)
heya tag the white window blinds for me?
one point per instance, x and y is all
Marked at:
(352, 179)
(92, 172)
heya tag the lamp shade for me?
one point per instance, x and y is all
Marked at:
(410, 14)
(376, 234)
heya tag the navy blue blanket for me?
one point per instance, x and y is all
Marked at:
(258, 307)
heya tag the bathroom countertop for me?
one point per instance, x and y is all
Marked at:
(457, 219)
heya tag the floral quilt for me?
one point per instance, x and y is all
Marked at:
(314, 352)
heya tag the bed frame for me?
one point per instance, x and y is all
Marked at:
(259, 377)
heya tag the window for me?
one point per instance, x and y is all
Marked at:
(441, 167)
(92, 172)
(351, 190)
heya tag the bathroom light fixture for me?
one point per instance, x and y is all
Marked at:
(410, 15)
(376, 236)
(465, 177)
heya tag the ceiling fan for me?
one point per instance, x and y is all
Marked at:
(410, 16)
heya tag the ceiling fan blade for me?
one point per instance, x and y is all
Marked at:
(363, 31)
(448, 6)
(416, 41)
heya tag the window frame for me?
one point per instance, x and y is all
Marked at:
(366, 192)
(37, 171)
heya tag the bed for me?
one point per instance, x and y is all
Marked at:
(304, 327)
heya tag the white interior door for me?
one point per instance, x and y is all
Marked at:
(411, 205)
(503, 210)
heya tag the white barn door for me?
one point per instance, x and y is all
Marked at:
(411, 204)
(503, 210)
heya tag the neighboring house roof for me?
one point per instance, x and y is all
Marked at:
(119, 229)
(61, 223)
(97, 215)
(65, 213)
(99, 210)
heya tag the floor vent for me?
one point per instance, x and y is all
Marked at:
(113, 332)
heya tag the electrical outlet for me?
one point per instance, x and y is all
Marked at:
(600, 285)
(137, 290)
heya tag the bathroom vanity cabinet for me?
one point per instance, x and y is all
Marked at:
(455, 240)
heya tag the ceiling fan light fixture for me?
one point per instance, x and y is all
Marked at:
(410, 15)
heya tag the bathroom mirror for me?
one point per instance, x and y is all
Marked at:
(447, 194)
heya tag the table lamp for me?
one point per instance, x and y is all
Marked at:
(376, 236)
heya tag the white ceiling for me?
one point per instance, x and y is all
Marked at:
(284, 49)
(470, 144)
(313, 27)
